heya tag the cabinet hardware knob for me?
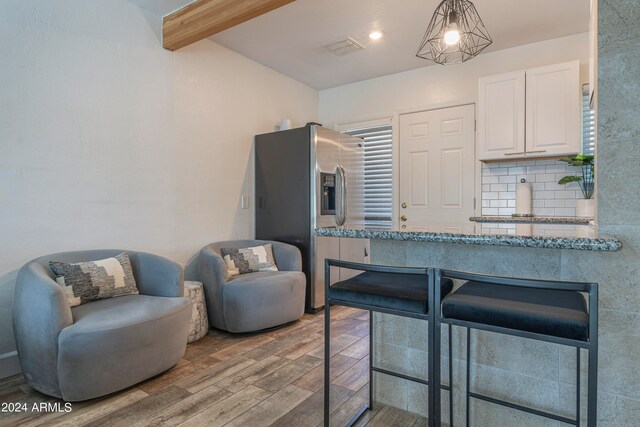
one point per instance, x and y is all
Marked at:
(404, 205)
(403, 218)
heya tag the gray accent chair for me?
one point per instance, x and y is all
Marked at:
(252, 301)
(102, 346)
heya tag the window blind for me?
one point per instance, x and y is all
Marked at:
(378, 174)
(588, 123)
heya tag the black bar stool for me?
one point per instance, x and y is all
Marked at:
(402, 291)
(550, 311)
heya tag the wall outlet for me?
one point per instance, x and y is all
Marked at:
(244, 202)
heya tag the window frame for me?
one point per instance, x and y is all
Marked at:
(386, 222)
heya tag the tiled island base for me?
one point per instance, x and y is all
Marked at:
(525, 372)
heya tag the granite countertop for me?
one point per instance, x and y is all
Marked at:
(575, 220)
(580, 237)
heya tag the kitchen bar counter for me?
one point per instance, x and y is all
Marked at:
(535, 374)
(575, 220)
(580, 237)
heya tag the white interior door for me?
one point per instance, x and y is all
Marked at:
(437, 169)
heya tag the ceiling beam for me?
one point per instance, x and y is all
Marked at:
(204, 18)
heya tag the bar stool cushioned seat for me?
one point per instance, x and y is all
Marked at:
(557, 313)
(405, 292)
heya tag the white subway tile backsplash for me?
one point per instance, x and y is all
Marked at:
(538, 186)
(565, 194)
(499, 187)
(547, 162)
(528, 178)
(508, 179)
(572, 186)
(499, 171)
(565, 212)
(544, 195)
(500, 165)
(553, 186)
(546, 177)
(490, 180)
(517, 170)
(490, 195)
(554, 203)
(505, 195)
(544, 211)
(549, 198)
(536, 169)
(556, 168)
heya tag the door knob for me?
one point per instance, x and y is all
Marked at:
(403, 218)
(404, 205)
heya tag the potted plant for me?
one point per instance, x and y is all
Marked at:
(584, 207)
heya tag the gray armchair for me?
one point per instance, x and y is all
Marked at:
(102, 346)
(253, 301)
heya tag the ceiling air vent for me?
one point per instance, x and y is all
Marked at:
(343, 47)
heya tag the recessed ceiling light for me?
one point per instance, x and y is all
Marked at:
(376, 35)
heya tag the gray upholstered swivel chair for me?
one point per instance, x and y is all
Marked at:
(252, 301)
(102, 346)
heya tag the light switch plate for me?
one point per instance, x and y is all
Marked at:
(244, 202)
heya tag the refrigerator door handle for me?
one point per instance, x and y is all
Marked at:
(341, 205)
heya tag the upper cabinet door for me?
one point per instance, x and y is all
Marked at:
(553, 113)
(501, 116)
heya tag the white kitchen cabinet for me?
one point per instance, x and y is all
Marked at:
(501, 116)
(530, 113)
(553, 110)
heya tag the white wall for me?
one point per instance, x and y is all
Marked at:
(437, 85)
(107, 140)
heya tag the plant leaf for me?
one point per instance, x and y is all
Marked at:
(570, 178)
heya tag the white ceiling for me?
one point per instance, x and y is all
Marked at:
(162, 7)
(291, 39)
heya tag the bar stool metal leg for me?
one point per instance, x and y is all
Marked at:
(592, 398)
(327, 361)
(370, 359)
(468, 376)
(578, 411)
(450, 378)
(592, 373)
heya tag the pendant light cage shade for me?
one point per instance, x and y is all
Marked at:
(460, 16)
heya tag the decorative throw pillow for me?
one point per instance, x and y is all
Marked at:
(90, 281)
(249, 260)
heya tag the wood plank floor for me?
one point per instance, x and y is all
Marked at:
(273, 378)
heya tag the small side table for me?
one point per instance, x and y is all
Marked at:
(199, 322)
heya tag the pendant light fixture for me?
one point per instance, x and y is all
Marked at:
(455, 33)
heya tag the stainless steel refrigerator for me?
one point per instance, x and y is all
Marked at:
(306, 178)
